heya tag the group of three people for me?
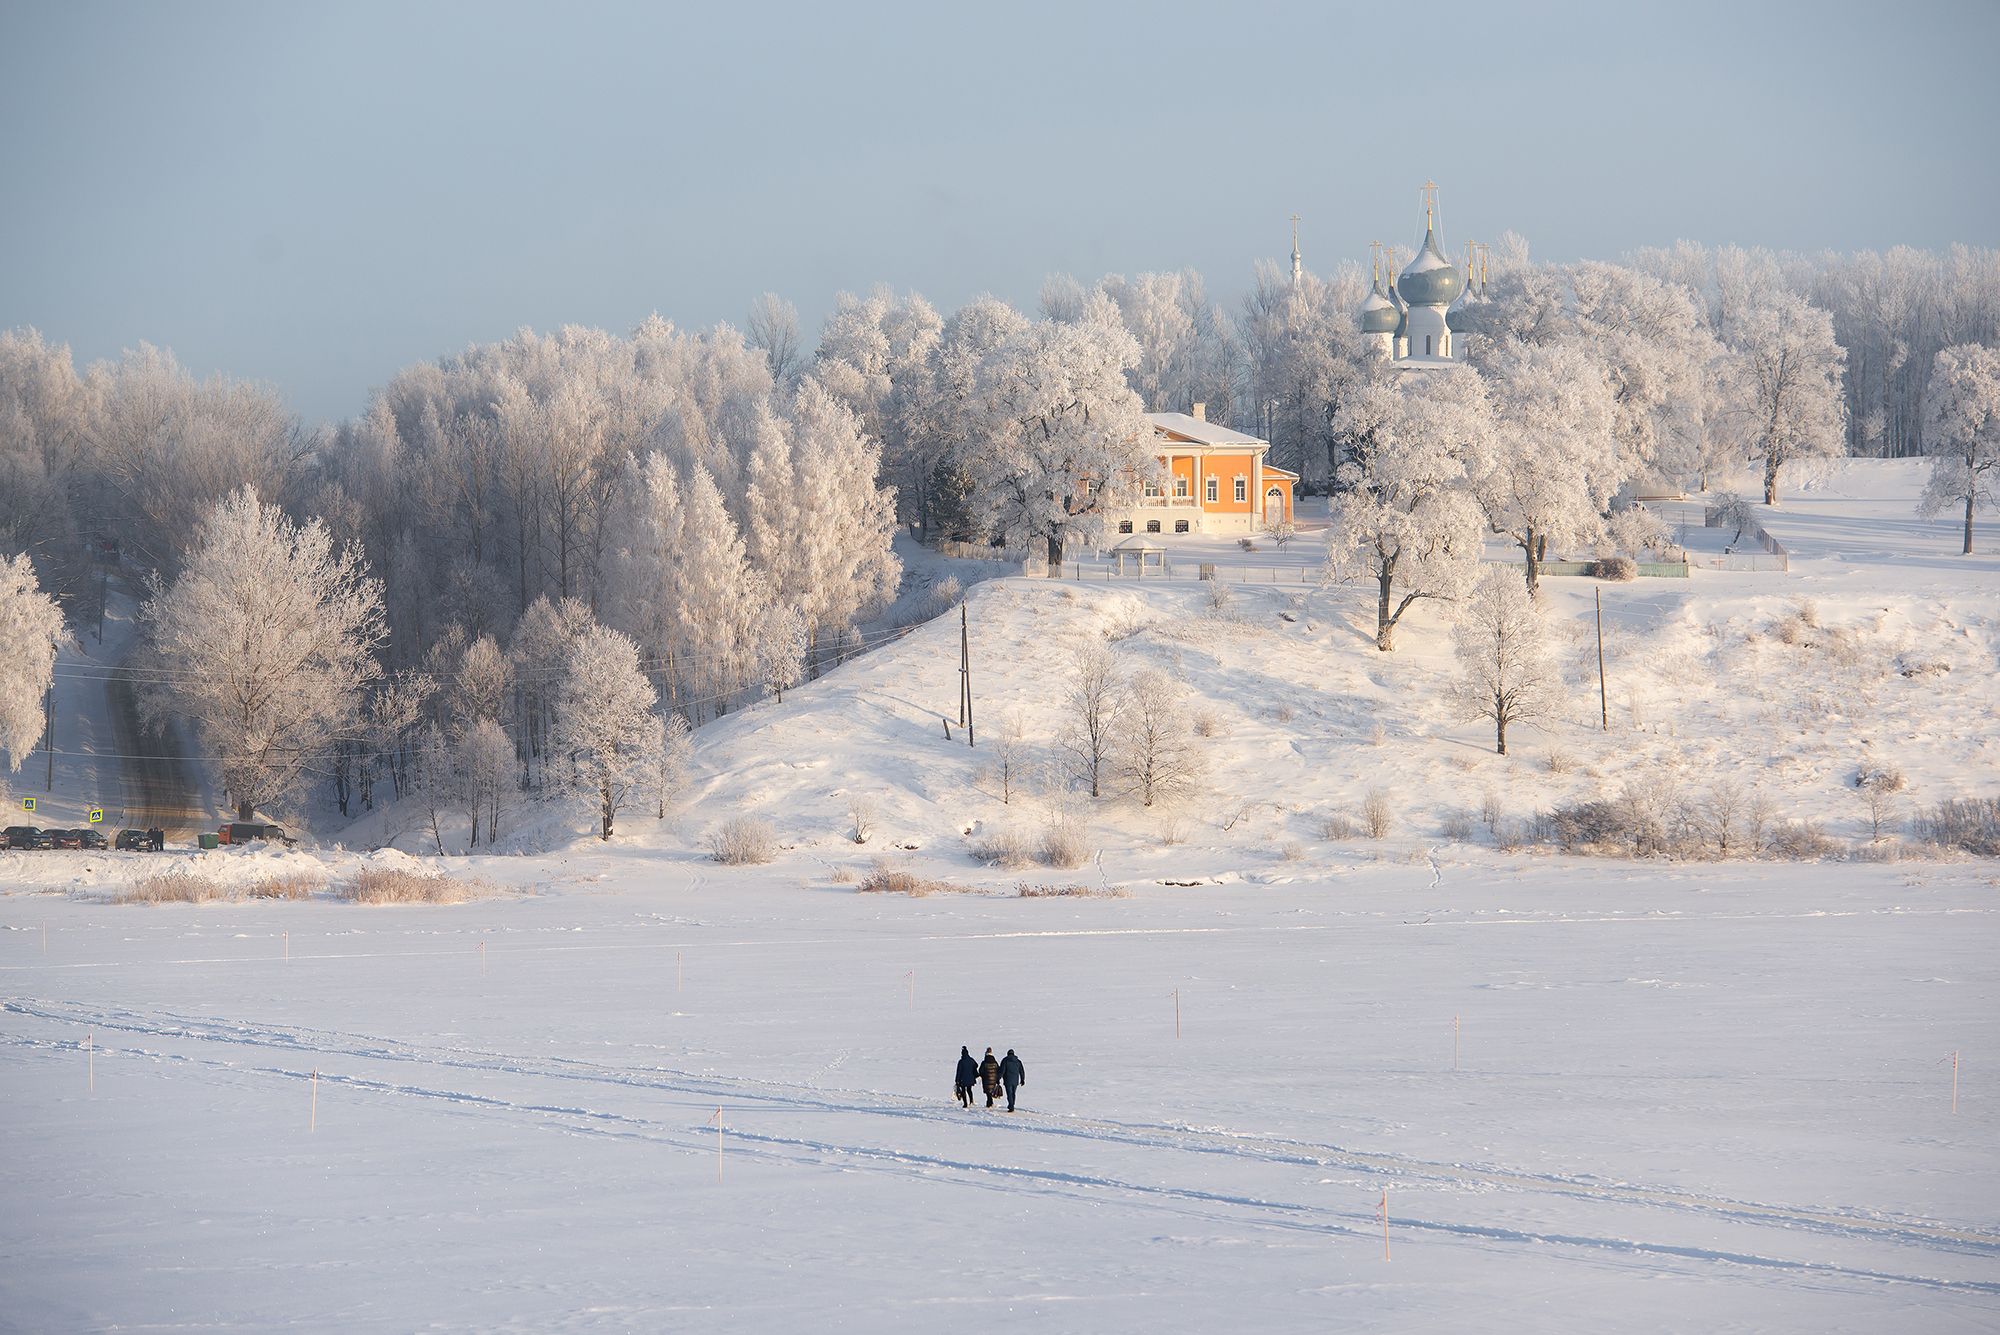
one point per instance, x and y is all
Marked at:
(1007, 1074)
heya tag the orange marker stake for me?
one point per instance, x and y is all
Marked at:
(288, 947)
(1385, 1223)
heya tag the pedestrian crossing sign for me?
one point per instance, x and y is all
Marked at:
(27, 804)
(96, 815)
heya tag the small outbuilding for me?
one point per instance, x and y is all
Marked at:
(1136, 556)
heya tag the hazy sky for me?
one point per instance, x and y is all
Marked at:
(316, 194)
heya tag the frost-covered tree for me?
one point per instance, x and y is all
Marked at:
(606, 732)
(1303, 356)
(266, 642)
(1157, 752)
(544, 638)
(773, 329)
(1062, 441)
(1093, 701)
(875, 357)
(676, 753)
(781, 648)
(31, 630)
(488, 774)
(1962, 432)
(1549, 474)
(1791, 370)
(941, 423)
(482, 685)
(717, 602)
(1405, 518)
(1506, 672)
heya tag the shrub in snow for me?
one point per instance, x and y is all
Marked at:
(1336, 825)
(1490, 811)
(741, 841)
(288, 885)
(1970, 824)
(400, 885)
(1005, 846)
(887, 880)
(1219, 598)
(1282, 532)
(1456, 825)
(1009, 752)
(1724, 812)
(1560, 762)
(1024, 890)
(172, 887)
(1292, 851)
(1619, 568)
(1206, 722)
(1376, 815)
(945, 595)
(1246, 544)
(1065, 840)
(861, 811)
(1800, 841)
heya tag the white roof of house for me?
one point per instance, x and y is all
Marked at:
(1201, 432)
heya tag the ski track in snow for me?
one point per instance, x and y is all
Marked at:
(707, 1091)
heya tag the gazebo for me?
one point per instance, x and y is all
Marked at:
(1138, 557)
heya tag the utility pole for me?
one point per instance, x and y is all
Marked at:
(1603, 705)
(965, 673)
(49, 734)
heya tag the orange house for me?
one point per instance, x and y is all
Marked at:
(1215, 481)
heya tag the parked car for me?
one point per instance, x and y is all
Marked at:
(135, 840)
(28, 836)
(91, 838)
(245, 831)
(71, 839)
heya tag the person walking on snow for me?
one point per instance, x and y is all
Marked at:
(963, 1080)
(989, 1075)
(1013, 1075)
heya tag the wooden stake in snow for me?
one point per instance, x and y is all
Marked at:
(1385, 1223)
(912, 976)
(314, 1124)
(1177, 1012)
(90, 1060)
(1954, 1082)
(45, 938)
(677, 971)
(482, 957)
(1454, 1042)
(717, 1119)
(288, 946)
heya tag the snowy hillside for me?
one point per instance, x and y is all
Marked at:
(1879, 648)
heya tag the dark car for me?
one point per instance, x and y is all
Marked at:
(245, 831)
(134, 840)
(28, 836)
(91, 838)
(66, 838)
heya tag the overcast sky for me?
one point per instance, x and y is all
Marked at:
(314, 195)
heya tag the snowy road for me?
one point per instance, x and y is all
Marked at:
(1663, 1116)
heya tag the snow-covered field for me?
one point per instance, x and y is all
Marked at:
(1697, 1095)
(1686, 1098)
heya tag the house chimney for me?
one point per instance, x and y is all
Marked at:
(1199, 412)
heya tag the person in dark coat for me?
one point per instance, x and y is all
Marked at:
(989, 1076)
(156, 839)
(966, 1076)
(1012, 1075)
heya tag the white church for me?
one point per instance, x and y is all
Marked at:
(1412, 322)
